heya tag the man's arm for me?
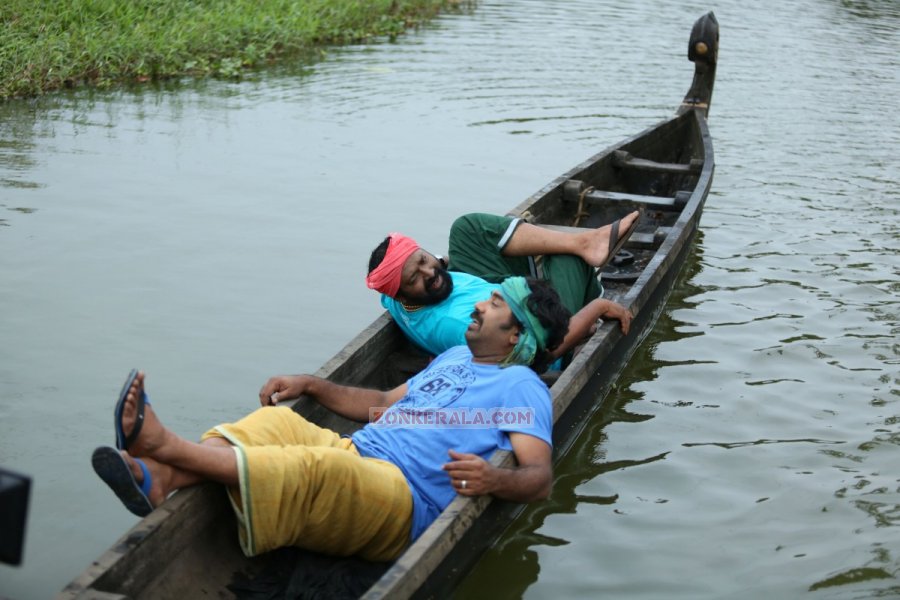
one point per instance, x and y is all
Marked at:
(530, 480)
(350, 402)
(582, 324)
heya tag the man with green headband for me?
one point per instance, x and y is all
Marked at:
(292, 483)
(532, 334)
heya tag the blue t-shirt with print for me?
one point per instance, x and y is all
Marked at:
(455, 404)
(439, 327)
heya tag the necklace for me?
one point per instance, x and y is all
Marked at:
(411, 307)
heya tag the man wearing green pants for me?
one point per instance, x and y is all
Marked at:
(431, 299)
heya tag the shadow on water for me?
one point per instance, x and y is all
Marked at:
(511, 566)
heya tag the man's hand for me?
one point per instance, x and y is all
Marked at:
(470, 475)
(532, 479)
(348, 401)
(583, 324)
(282, 387)
(620, 313)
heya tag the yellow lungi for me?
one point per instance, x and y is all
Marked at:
(305, 486)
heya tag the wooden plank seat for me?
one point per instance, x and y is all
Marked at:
(624, 159)
(603, 197)
(576, 191)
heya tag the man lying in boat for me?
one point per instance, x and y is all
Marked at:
(292, 483)
(431, 301)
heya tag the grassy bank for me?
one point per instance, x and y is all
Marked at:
(49, 44)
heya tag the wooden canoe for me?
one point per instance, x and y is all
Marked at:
(187, 548)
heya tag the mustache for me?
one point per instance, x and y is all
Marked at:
(439, 273)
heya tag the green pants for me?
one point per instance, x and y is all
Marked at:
(476, 243)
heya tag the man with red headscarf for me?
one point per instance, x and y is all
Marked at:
(431, 302)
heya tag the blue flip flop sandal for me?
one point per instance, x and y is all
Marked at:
(123, 441)
(110, 465)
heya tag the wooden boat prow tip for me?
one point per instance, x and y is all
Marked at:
(703, 51)
(188, 547)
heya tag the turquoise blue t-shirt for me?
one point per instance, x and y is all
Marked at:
(460, 405)
(442, 326)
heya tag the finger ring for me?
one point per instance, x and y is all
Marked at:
(464, 484)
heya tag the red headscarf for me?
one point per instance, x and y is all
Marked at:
(386, 277)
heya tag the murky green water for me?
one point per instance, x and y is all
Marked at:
(216, 233)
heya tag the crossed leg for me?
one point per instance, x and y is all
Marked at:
(173, 462)
(591, 245)
(311, 482)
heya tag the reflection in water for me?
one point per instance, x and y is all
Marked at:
(880, 15)
(733, 445)
(16, 150)
(860, 575)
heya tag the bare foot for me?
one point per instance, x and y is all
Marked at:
(596, 241)
(160, 477)
(153, 435)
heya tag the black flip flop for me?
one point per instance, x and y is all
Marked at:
(616, 241)
(110, 465)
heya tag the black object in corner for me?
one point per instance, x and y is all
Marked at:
(14, 491)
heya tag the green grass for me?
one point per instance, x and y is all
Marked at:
(50, 44)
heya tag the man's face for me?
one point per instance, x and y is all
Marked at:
(424, 279)
(493, 329)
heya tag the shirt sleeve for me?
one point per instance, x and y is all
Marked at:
(528, 409)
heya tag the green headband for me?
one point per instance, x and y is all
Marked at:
(533, 336)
